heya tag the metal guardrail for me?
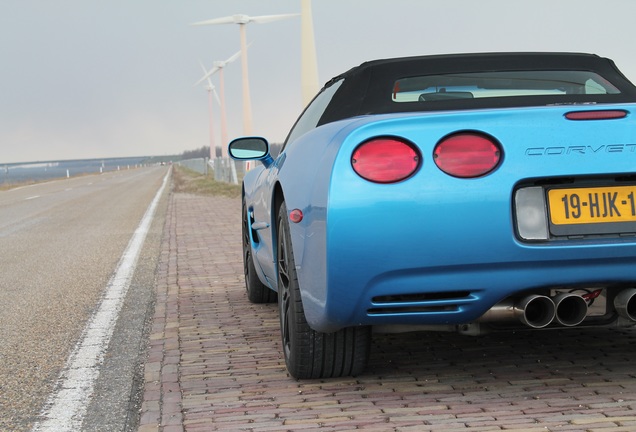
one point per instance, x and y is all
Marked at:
(199, 165)
(24, 172)
(225, 170)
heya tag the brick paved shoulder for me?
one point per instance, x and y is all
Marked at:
(215, 363)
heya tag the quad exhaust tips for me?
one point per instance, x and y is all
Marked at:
(538, 311)
(625, 304)
(566, 309)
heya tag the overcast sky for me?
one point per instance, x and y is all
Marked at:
(114, 78)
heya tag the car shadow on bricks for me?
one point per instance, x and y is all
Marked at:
(519, 361)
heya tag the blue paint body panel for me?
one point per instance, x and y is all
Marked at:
(435, 249)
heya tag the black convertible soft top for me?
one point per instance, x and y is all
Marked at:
(365, 89)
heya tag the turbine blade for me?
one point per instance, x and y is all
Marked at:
(206, 76)
(233, 58)
(269, 18)
(224, 20)
(205, 73)
(216, 96)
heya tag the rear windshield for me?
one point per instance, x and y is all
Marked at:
(432, 88)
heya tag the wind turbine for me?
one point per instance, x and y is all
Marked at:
(309, 64)
(218, 66)
(211, 92)
(242, 21)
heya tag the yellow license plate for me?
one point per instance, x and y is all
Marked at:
(592, 205)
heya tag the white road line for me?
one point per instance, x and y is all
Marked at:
(66, 407)
(32, 197)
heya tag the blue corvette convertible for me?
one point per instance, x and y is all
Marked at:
(469, 192)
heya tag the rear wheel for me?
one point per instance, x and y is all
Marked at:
(257, 291)
(308, 353)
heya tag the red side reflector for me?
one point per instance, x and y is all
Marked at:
(385, 160)
(467, 155)
(296, 215)
(596, 115)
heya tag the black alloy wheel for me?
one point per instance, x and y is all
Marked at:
(308, 353)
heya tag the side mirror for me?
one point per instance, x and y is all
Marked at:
(248, 148)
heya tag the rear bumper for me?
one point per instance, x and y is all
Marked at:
(457, 294)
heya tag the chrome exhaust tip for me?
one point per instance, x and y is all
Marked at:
(625, 303)
(571, 309)
(536, 311)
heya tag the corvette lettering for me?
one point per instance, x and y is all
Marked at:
(581, 150)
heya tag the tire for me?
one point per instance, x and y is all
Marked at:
(257, 291)
(308, 353)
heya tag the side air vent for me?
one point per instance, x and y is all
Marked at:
(421, 297)
(420, 303)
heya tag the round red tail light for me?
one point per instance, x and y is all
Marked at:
(467, 155)
(385, 160)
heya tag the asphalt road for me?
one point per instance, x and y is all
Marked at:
(60, 243)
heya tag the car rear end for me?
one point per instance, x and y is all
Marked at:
(501, 216)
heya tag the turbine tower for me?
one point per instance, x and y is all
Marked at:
(242, 21)
(211, 92)
(218, 66)
(309, 64)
